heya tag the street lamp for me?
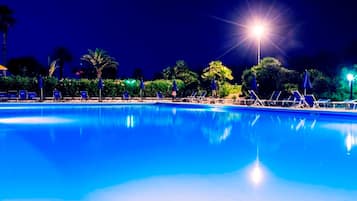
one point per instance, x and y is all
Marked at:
(258, 31)
(350, 78)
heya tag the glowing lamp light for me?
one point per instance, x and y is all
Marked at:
(350, 77)
(130, 82)
(258, 30)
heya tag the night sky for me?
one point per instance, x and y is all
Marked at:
(153, 34)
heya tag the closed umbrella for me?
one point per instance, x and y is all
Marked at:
(174, 86)
(174, 89)
(100, 87)
(214, 87)
(307, 83)
(142, 87)
(40, 86)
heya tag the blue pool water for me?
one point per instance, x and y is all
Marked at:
(174, 152)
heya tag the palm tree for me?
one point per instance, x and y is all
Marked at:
(6, 21)
(99, 59)
(62, 55)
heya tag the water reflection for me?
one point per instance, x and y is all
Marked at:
(351, 141)
(123, 144)
(218, 126)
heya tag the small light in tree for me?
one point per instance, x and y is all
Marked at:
(350, 77)
(130, 82)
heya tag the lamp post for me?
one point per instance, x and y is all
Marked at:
(258, 31)
(350, 78)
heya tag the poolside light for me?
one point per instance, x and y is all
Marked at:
(350, 78)
(130, 82)
(258, 31)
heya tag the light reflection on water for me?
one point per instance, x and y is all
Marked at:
(112, 152)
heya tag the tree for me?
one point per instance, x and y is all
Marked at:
(270, 75)
(99, 59)
(6, 21)
(216, 70)
(138, 73)
(25, 66)
(182, 72)
(62, 55)
(322, 85)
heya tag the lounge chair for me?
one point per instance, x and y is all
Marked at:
(57, 95)
(126, 95)
(32, 95)
(254, 97)
(299, 100)
(201, 97)
(274, 98)
(159, 95)
(311, 101)
(288, 101)
(3, 96)
(12, 95)
(191, 97)
(323, 102)
(84, 95)
(23, 95)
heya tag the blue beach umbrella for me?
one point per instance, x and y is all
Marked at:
(174, 86)
(100, 84)
(40, 86)
(213, 85)
(40, 82)
(100, 87)
(307, 83)
(142, 86)
(253, 83)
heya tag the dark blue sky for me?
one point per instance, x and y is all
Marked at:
(153, 34)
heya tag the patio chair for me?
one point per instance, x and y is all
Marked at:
(84, 95)
(57, 95)
(126, 95)
(191, 97)
(299, 100)
(3, 96)
(274, 98)
(201, 97)
(12, 95)
(254, 97)
(324, 102)
(31, 95)
(287, 102)
(22, 94)
(311, 101)
(159, 95)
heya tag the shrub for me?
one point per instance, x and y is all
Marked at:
(72, 87)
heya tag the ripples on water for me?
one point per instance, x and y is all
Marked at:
(161, 152)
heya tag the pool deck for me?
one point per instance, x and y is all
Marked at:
(209, 102)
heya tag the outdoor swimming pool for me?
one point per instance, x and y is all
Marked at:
(174, 152)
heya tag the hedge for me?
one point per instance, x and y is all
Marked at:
(72, 87)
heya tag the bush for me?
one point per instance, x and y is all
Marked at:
(165, 86)
(72, 87)
(230, 90)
